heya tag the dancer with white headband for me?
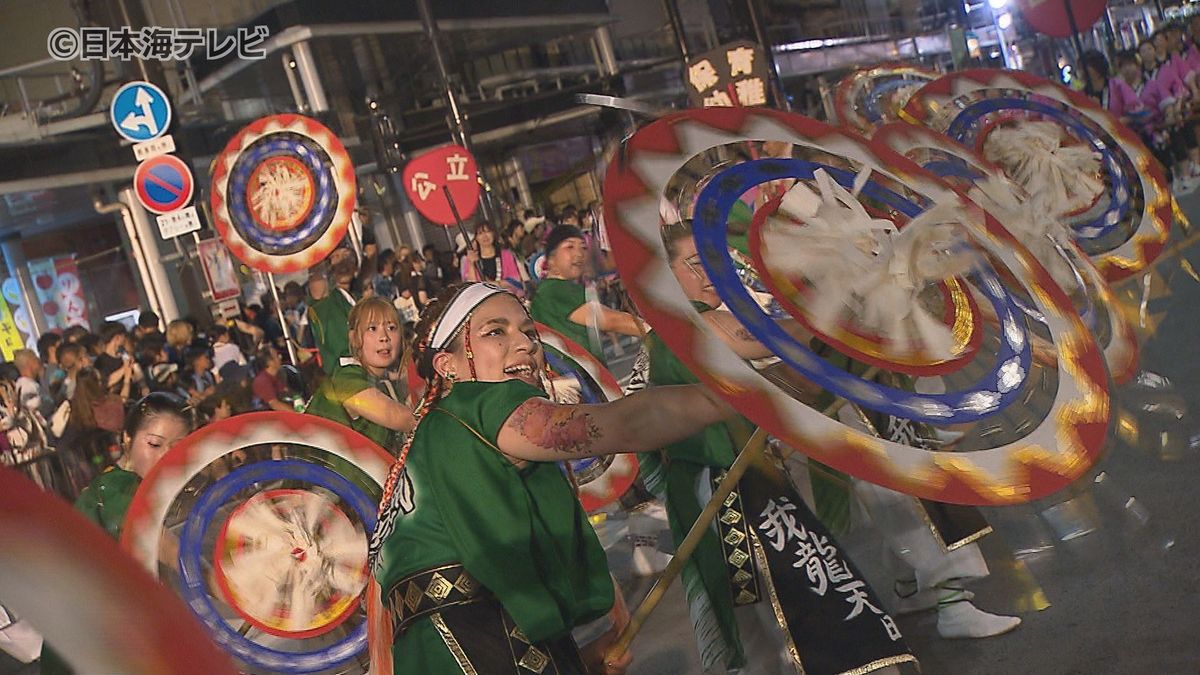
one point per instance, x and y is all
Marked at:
(483, 559)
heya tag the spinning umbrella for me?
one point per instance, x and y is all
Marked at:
(904, 228)
(1044, 235)
(1072, 157)
(580, 378)
(260, 522)
(283, 193)
(870, 97)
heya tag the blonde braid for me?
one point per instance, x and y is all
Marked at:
(432, 394)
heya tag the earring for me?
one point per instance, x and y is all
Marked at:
(451, 376)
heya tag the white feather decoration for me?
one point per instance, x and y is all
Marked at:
(566, 389)
(1038, 229)
(1059, 179)
(863, 266)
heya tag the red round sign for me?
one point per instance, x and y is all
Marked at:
(425, 178)
(163, 183)
(1049, 17)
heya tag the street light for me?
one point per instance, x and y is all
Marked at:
(1004, 21)
(997, 4)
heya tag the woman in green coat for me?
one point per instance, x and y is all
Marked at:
(767, 586)
(155, 423)
(152, 427)
(358, 393)
(483, 559)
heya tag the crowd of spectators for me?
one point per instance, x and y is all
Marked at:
(1155, 90)
(501, 254)
(62, 407)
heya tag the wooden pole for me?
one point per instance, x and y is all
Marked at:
(749, 454)
(293, 356)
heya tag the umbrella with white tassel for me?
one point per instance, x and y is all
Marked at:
(1060, 178)
(865, 266)
(1046, 236)
(1071, 155)
(1042, 232)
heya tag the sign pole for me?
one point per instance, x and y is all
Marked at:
(1074, 34)
(773, 78)
(355, 234)
(287, 336)
(592, 290)
(463, 230)
(460, 130)
(450, 171)
(677, 30)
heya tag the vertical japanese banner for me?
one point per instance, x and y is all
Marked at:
(10, 290)
(72, 304)
(10, 338)
(219, 270)
(44, 276)
(836, 621)
(734, 74)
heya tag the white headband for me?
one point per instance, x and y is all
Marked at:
(460, 308)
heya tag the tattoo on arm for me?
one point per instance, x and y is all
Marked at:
(563, 428)
(743, 334)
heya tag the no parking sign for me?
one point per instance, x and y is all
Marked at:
(163, 183)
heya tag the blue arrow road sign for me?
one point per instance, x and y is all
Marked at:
(140, 111)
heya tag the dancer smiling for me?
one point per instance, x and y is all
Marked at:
(561, 302)
(483, 556)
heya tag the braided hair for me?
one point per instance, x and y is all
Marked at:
(397, 487)
(435, 388)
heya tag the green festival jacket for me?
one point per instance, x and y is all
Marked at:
(521, 532)
(106, 499)
(552, 305)
(104, 502)
(680, 465)
(329, 318)
(348, 379)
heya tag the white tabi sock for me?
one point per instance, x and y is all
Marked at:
(647, 559)
(958, 618)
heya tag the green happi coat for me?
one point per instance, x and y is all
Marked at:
(348, 380)
(520, 532)
(329, 319)
(673, 475)
(104, 502)
(553, 303)
(106, 499)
